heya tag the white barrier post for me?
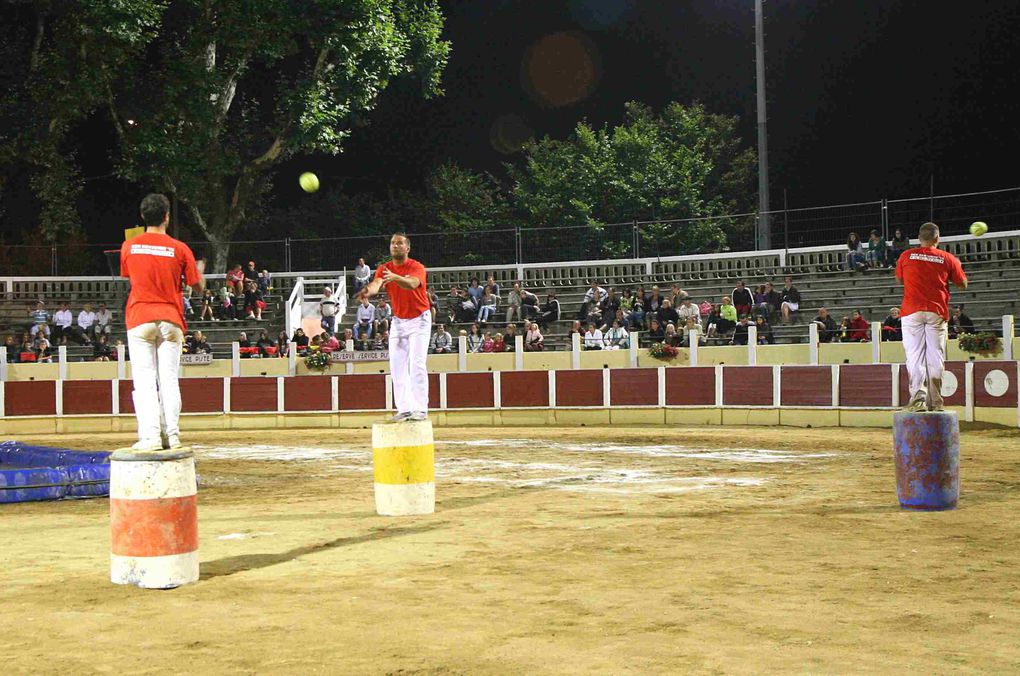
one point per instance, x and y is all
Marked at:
(518, 353)
(292, 359)
(1007, 337)
(462, 353)
(575, 350)
(62, 362)
(694, 342)
(121, 362)
(3, 363)
(235, 359)
(752, 345)
(876, 342)
(634, 338)
(349, 347)
(813, 343)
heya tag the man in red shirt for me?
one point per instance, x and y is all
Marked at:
(155, 264)
(410, 329)
(926, 273)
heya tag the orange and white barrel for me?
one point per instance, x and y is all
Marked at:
(404, 464)
(153, 519)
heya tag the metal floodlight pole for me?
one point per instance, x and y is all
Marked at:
(764, 235)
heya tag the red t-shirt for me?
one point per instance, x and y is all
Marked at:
(406, 303)
(926, 273)
(155, 263)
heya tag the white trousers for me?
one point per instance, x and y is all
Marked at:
(409, 349)
(155, 350)
(924, 342)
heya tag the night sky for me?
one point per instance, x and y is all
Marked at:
(866, 100)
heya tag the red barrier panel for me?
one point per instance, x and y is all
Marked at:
(469, 390)
(579, 388)
(201, 395)
(865, 385)
(634, 387)
(82, 397)
(253, 393)
(308, 393)
(435, 403)
(747, 386)
(30, 397)
(127, 404)
(995, 384)
(805, 386)
(362, 391)
(524, 388)
(692, 386)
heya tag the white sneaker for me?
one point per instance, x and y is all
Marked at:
(418, 416)
(147, 446)
(174, 442)
(399, 417)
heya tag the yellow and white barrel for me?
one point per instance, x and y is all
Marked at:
(404, 461)
(153, 519)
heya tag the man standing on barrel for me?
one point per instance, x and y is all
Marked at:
(925, 273)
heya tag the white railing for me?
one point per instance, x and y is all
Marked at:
(295, 306)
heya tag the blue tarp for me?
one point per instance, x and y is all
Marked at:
(47, 473)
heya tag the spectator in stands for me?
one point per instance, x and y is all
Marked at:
(789, 299)
(453, 302)
(640, 296)
(87, 323)
(617, 337)
(773, 300)
(283, 344)
(486, 306)
(608, 307)
(689, 328)
(103, 320)
(498, 343)
(102, 351)
(27, 345)
(475, 339)
(671, 336)
(960, 323)
(592, 313)
(186, 300)
(487, 342)
(728, 316)
(844, 330)
(575, 327)
(362, 275)
(876, 250)
(900, 243)
(347, 342)
(620, 317)
(62, 323)
(529, 305)
(667, 314)
(595, 294)
(381, 341)
(383, 314)
(300, 340)
(534, 341)
(492, 285)
(743, 300)
(510, 337)
(188, 346)
(265, 344)
(892, 328)
(254, 304)
(860, 332)
(251, 274)
(442, 341)
(827, 329)
(740, 333)
(636, 316)
(364, 321)
(652, 304)
(265, 282)
(677, 295)
(234, 281)
(316, 343)
(513, 303)
(242, 340)
(433, 306)
(855, 258)
(328, 308)
(765, 334)
(208, 303)
(655, 331)
(226, 303)
(475, 290)
(11, 344)
(468, 307)
(200, 345)
(39, 317)
(329, 343)
(551, 309)
(42, 348)
(593, 339)
(627, 301)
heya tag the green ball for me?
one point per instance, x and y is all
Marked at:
(978, 228)
(309, 182)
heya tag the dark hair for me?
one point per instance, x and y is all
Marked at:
(155, 208)
(851, 238)
(402, 234)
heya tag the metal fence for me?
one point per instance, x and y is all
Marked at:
(788, 228)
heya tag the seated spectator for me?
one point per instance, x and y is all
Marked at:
(234, 281)
(475, 339)
(263, 343)
(652, 305)
(226, 303)
(510, 338)
(362, 275)
(328, 308)
(843, 331)
(668, 314)
(900, 243)
(860, 332)
(300, 341)
(671, 336)
(617, 337)
(619, 317)
(13, 354)
(705, 307)
(575, 327)
(253, 301)
(892, 328)
(282, 344)
(329, 343)
(102, 351)
(590, 313)
(243, 342)
(87, 323)
(442, 341)
(486, 306)
(487, 342)
(855, 258)
(627, 301)
(498, 344)
(316, 344)
(381, 341)
(743, 300)
(62, 324)
(789, 299)
(103, 320)
(43, 349)
(656, 333)
(760, 303)
(765, 334)
(26, 346)
(188, 347)
(364, 320)
(595, 294)
(453, 304)
(186, 299)
(514, 299)
(728, 317)
(636, 316)
(827, 329)
(347, 342)
(640, 296)
(608, 307)
(688, 311)
(551, 309)
(677, 295)
(533, 339)
(200, 344)
(475, 290)
(529, 305)
(251, 274)
(960, 323)
(433, 306)
(593, 339)
(38, 316)
(691, 328)
(383, 313)
(265, 282)
(492, 285)
(468, 308)
(740, 333)
(773, 300)
(208, 306)
(876, 250)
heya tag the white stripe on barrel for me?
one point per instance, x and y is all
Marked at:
(153, 519)
(403, 461)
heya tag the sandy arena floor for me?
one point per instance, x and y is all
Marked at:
(580, 550)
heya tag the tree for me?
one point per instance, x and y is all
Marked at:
(206, 98)
(587, 190)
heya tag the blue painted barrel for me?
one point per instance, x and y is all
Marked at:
(927, 452)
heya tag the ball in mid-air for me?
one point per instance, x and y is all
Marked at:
(309, 182)
(978, 228)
